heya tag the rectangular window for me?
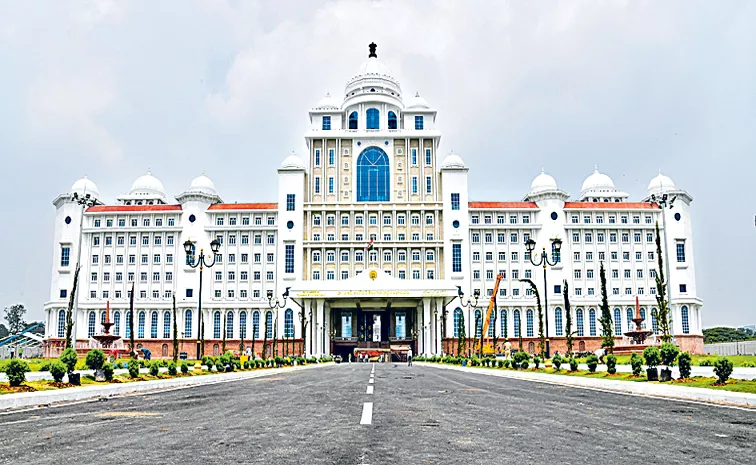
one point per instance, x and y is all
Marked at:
(290, 202)
(428, 181)
(317, 157)
(331, 157)
(289, 266)
(456, 258)
(414, 184)
(680, 252)
(413, 157)
(330, 184)
(317, 184)
(683, 288)
(326, 123)
(418, 122)
(428, 157)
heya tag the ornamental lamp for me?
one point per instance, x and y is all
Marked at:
(557, 243)
(215, 246)
(188, 247)
(530, 245)
(286, 293)
(459, 292)
(476, 293)
(270, 294)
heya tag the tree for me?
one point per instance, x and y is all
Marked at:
(725, 334)
(223, 330)
(478, 319)
(14, 315)
(541, 336)
(175, 332)
(568, 317)
(131, 321)
(275, 336)
(462, 337)
(69, 312)
(265, 337)
(663, 315)
(3, 331)
(607, 333)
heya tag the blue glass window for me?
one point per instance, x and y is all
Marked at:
(592, 321)
(331, 157)
(558, 321)
(478, 324)
(91, 326)
(617, 321)
(229, 325)
(65, 256)
(529, 323)
(504, 332)
(117, 321)
(492, 324)
(654, 322)
(685, 320)
(255, 325)
(418, 122)
(457, 321)
(392, 120)
(643, 315)
(154, 325)
(317, 157)
(326, 123)
(373, 181)
(243, 324)
(580, 322)
(62, 323)
(317, 185)
(414, 184)
(456, 258)
(140, 327)
(166, 325)
(269, 324)
(290, 203)
(330, 185)
(353, 120)
(216, 325)
(455, 201)
(516, 323)
(630, 326)
(428, 157)
(289, 324)
(681, 252)
(187, 323)
(373, 117)
(289, 266)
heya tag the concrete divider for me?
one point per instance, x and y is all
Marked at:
(74, 394)
(668, 391)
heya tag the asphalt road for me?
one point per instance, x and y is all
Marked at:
(420, 415)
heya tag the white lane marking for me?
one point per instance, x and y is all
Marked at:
(372, 375)
(369, 390)
(367, 413)
(370, 381)
(372, 370)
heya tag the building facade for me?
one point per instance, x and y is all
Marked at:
(367, 247)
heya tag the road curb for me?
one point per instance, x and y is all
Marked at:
(665, 391)
(10, 402)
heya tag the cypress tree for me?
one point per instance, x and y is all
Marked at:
(541, 335)
(663, 315)
(175, 332)
(607, 333)
(568, 317)
(69, 313)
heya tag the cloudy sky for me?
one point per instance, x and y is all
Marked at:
(111, 88)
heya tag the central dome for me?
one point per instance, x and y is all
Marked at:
(203, 184)
(453, 161)
(542, 183)
(661, 183)
(85, 186)
(293, 162)
(147, 185)
(598, 182)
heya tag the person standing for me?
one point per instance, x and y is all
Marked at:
(409, 357)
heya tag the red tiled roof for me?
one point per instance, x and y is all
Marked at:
(132, 208)
(244, 206)
(610, 205)
(473, 205)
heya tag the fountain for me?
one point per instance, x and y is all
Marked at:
(106, 339)
(638, 335)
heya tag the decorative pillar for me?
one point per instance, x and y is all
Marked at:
(426, 329)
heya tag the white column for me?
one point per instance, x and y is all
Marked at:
(427, 323)
(327, 331)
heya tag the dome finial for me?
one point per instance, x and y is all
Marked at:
(542, 170)
(595, 168)
(372, 48)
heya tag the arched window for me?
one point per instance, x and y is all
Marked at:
(373, 183)
(269, 324)
(478, 323)
(516, 320)
(581, 346)
(243, 324)
(592, 321)
(164, 350)
(216, 325)
(630, 324)
(529, 323)
(373, 118)
(255, 325)
(117, 323)
(61, 323)
(392, 120)
(654, 322)
(216, 350)
(685, 319)
(580, 322)
(617, 321)
(140, 328)
(353, 120)
(102, 317)
(91, 326)
(643, 315)
(229, 325)
(558, 321)
(166, 325)
(531, 347)
(127, 323)
(458, 316)
(504, 329)
(188, 323)
(154, 325)
(289, 323)
(492, 324)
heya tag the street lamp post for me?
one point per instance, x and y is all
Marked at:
(663, 201)
(200, 262)
(544, 260)
(470, 303)
(277, 305)
(85, 201)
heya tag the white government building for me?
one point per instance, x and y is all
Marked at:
(374, 176)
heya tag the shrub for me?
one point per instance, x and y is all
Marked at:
(748, 364)
(500, 363)
(573, 364)
(536, 361)
(684, 360)
(669, 353)
(95, 359)
(652, 356)
(172, 369)
(108, 370)
(154, 369)
(722, 368)
(637, 363)
(518, 358)
(184, 368)
(592, 362)
(556, 360)
(45, 366)
(611, 364)
(16, 371)
(133, 368)
(524, 364)
(246, 365)
(68, 357)
(57, 370)
(705, 363)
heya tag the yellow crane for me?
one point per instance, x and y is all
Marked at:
(489, 348)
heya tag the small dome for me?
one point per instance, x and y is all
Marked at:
(293, 162)
(418, 102)
(661, 183)
(598, 182)
(147, 185)
(327, 103)
(542, 183)
(203, 184)
(85, 186)
(453, 161)
(375, 67)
